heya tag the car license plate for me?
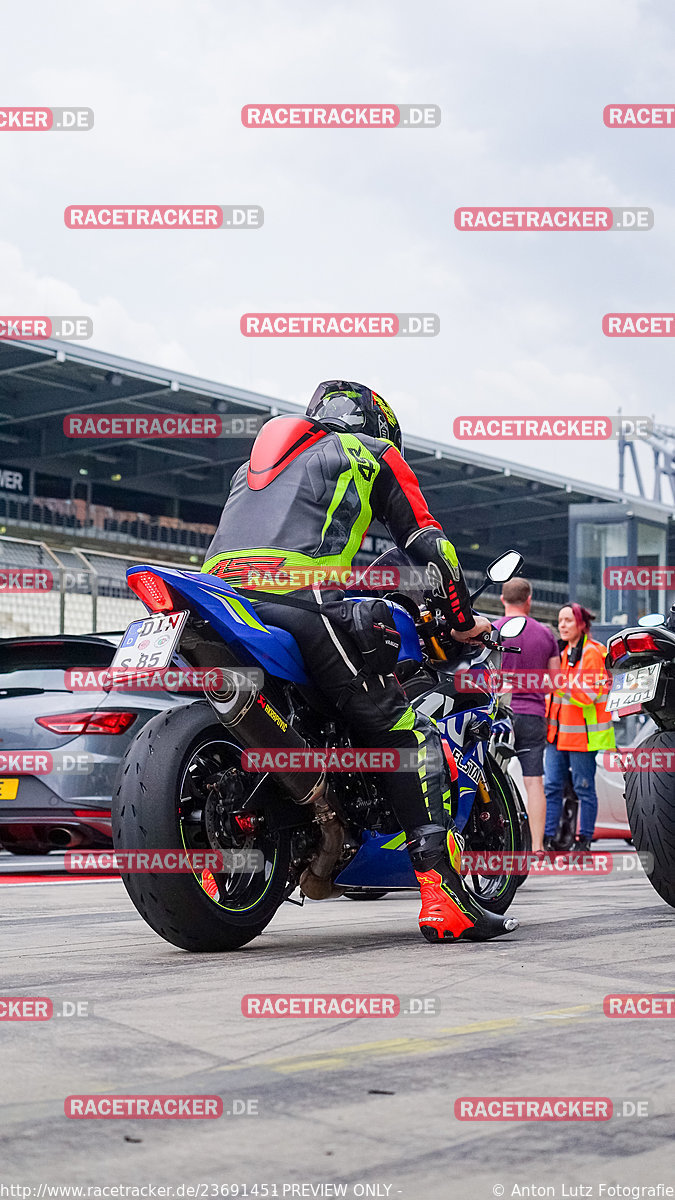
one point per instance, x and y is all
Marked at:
(9, 788)
(634, 687)
(149, 644)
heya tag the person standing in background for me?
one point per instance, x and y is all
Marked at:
(578, 724)
(539, 651)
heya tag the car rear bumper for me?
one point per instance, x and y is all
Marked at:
(63, 830)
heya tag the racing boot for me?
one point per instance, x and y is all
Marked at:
(450, 911)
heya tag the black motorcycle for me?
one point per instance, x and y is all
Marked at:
(642, 662)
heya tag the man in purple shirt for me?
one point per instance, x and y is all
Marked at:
(539, 652)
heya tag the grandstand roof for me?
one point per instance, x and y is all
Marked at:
(484, 501)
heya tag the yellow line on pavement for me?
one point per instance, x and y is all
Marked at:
(341, 1056)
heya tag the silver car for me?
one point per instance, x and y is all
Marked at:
(612, 819)
(62, 738)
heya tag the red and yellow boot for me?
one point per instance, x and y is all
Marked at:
(450, 912)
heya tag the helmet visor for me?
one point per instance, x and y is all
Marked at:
(339, 400)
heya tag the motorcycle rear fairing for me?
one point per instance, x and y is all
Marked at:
(234, 618)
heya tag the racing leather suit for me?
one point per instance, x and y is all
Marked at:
(303, 502)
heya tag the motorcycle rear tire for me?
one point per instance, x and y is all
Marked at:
(650, 802)
(145, 816)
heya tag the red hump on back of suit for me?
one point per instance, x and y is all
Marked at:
(279, 442)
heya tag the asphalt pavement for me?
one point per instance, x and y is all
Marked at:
(316, 1104)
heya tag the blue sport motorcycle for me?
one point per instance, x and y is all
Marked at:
(183, 786)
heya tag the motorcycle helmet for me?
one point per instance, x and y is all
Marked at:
(354, 408)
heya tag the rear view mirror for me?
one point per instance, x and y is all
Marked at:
(505, 567)
(651, 620)
(512, 627)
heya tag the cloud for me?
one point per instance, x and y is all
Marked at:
(355, 220)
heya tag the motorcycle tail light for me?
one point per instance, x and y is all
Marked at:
(87, 722)
(640, 643)
(151, 590)
(616, 649)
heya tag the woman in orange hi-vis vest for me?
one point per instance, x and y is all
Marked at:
(578, 725)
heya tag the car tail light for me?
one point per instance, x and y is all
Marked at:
(151, 590)
(616, 649)
(88, 722)
(640, 643)
(93, 814)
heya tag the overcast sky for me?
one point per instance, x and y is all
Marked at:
(356, 220)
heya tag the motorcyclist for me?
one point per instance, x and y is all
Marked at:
(305, 500)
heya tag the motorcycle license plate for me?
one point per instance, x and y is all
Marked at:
(634, 687)
(149, 644)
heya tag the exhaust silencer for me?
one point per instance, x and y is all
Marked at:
(242, 707)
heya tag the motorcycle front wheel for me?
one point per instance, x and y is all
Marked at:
(494, 825)
(168, 797)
